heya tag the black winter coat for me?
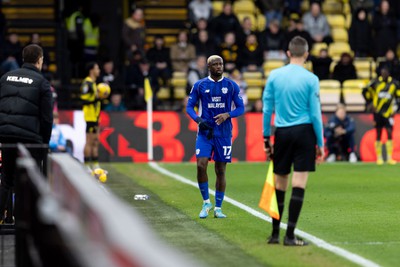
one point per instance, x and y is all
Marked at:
(26, 106)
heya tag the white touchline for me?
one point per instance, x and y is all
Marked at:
(313, 239)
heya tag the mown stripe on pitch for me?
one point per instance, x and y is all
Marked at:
(313, 239)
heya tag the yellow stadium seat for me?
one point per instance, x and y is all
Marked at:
(336, 20)
(348, 21)
(270, 65)
(340, 35)
(244, 6)
(217, 7)
(335, 49)
(332, 7)
(358, 84)
(261, 22)
(305, 6)
(329, 99)
(179, 74)
(308, 66)
(354, 99)
(179, 93)
(252, 75)
(164, 93)
(254, 93)
(365, 68)
(317, 47)
(329, 84)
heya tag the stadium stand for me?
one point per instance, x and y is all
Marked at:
(365, 68)
(255, 83)
(353, 98)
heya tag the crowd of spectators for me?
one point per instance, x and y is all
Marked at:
(372, 33)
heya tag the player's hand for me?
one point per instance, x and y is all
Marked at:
(203, 125)
(220, 118)
(320, 153)
(268, 148)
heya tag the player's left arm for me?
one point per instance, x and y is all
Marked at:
(239, 110)
(315, 112)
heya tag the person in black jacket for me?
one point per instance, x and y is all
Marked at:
(26, 115)
(344, 69)
(360, 34)
(384, 25)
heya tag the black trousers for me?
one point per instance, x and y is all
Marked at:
(9, 167)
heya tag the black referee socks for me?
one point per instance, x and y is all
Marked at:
(280, 198)
(296, 202)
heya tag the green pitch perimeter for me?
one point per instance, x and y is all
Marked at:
(355, 207)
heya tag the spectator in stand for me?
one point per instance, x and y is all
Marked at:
(91, 32)
(198, 70)
(360, 34)
(201, 25)
(182, 53)
(159, 57)
(367, 5)
(229, 51)
(237, 77)
(116, 103)
(339, 134)
(251, 55)
(75, 40)
(316, 24)
(273, 10)
(391, 63)
(292, 6)
(3, 26)
(109, 75)
(35, 39)
(136, 74)
(133, 31)
(257, 106)
(204, 45)
(244, 31)
(224, 23)
(344, 69)
(395, 8)
(12, 49)
(199, 9)
(321, 64)
(384, 26)
(272, 41)
(297, 29)
(57, 140)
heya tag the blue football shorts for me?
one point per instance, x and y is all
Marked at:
(220, 148)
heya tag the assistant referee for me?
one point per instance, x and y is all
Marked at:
(293, 93)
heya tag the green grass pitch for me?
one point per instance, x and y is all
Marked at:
(355, 207)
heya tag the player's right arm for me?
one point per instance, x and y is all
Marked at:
(192, 101)
(87, 92)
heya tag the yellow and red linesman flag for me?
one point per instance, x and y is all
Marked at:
(148, 93)
(268, 197)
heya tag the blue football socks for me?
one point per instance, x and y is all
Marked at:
(204, 190)
(219, 197)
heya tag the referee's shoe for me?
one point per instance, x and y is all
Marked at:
(294, 242)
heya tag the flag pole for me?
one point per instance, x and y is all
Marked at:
(150, 129)
(148, 97)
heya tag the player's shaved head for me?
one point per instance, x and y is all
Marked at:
(212, 58)
(298, 46)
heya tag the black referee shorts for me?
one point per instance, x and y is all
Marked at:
(294, 145)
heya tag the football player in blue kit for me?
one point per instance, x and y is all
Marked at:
(214, 96)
